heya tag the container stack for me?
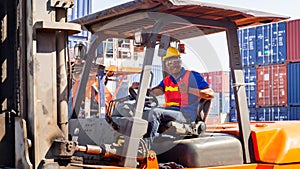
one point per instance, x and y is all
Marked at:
(220, 106)
(271, 61)
(248, 43)
(293, 68)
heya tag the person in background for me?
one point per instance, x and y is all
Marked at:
(182, 90)
(93, 82)
(107, 94)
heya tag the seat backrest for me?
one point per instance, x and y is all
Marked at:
(203, 109)
(113, 104)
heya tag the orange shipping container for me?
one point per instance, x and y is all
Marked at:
(271, 85)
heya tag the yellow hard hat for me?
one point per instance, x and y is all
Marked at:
(171, 52)
(111, 68)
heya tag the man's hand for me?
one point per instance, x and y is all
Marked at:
(135, 85)
(207, 93)
(182, 87)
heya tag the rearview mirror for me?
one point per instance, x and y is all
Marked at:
(139, 37)
(80, 52)
(163, 45)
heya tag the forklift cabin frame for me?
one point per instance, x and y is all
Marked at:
(191, 19)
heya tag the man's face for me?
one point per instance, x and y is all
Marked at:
(173, 65)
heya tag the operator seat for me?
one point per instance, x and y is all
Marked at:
(119, 121)
(193, 129)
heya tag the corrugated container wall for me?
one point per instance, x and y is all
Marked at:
(80, 9)
(281, 113)
(272, 85)
(218, 81)
(278, 42)
(294, 84)
(273, 114)
(252, 115)
(263, 44)
(293, 40)
(279, 85)
(271, 43)
(263, 114)
(263, 82)
(295, 113)
(215, 104)
(250, 80)
(247, 43)
(224, 102)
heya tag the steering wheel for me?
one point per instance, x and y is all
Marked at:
(150, 101)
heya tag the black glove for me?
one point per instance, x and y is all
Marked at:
(148, 93)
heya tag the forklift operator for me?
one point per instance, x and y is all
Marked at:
(182, 89)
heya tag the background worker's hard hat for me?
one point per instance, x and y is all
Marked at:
(171, 52)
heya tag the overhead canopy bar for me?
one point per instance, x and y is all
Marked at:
(185, 9)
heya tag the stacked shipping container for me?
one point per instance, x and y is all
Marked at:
(271, 85)
(271, 43)
(219, 82)
(293, 57)
(248, 51)
(277, 67)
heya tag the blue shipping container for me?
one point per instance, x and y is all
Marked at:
(215, 104)
(81, 8)
(72, 12)
(264, 114)
(263, 45)
(252, 114)
(273, 114)
(224, 102)
(280, 113)
(271, 43)
(294, 84)
(247, 42)
(295, 113)
(278, 42)
(250, 80)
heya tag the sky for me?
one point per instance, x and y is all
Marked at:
(283, 7)
(288, 8)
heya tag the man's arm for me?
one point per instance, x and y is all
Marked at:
(207, 93)
(202, 88)
(156, 91)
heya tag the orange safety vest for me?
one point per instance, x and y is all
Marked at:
(172, 95)
(90, 83)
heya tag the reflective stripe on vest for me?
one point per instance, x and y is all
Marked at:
(172, 95)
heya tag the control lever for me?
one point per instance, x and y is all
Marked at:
(75, 135)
